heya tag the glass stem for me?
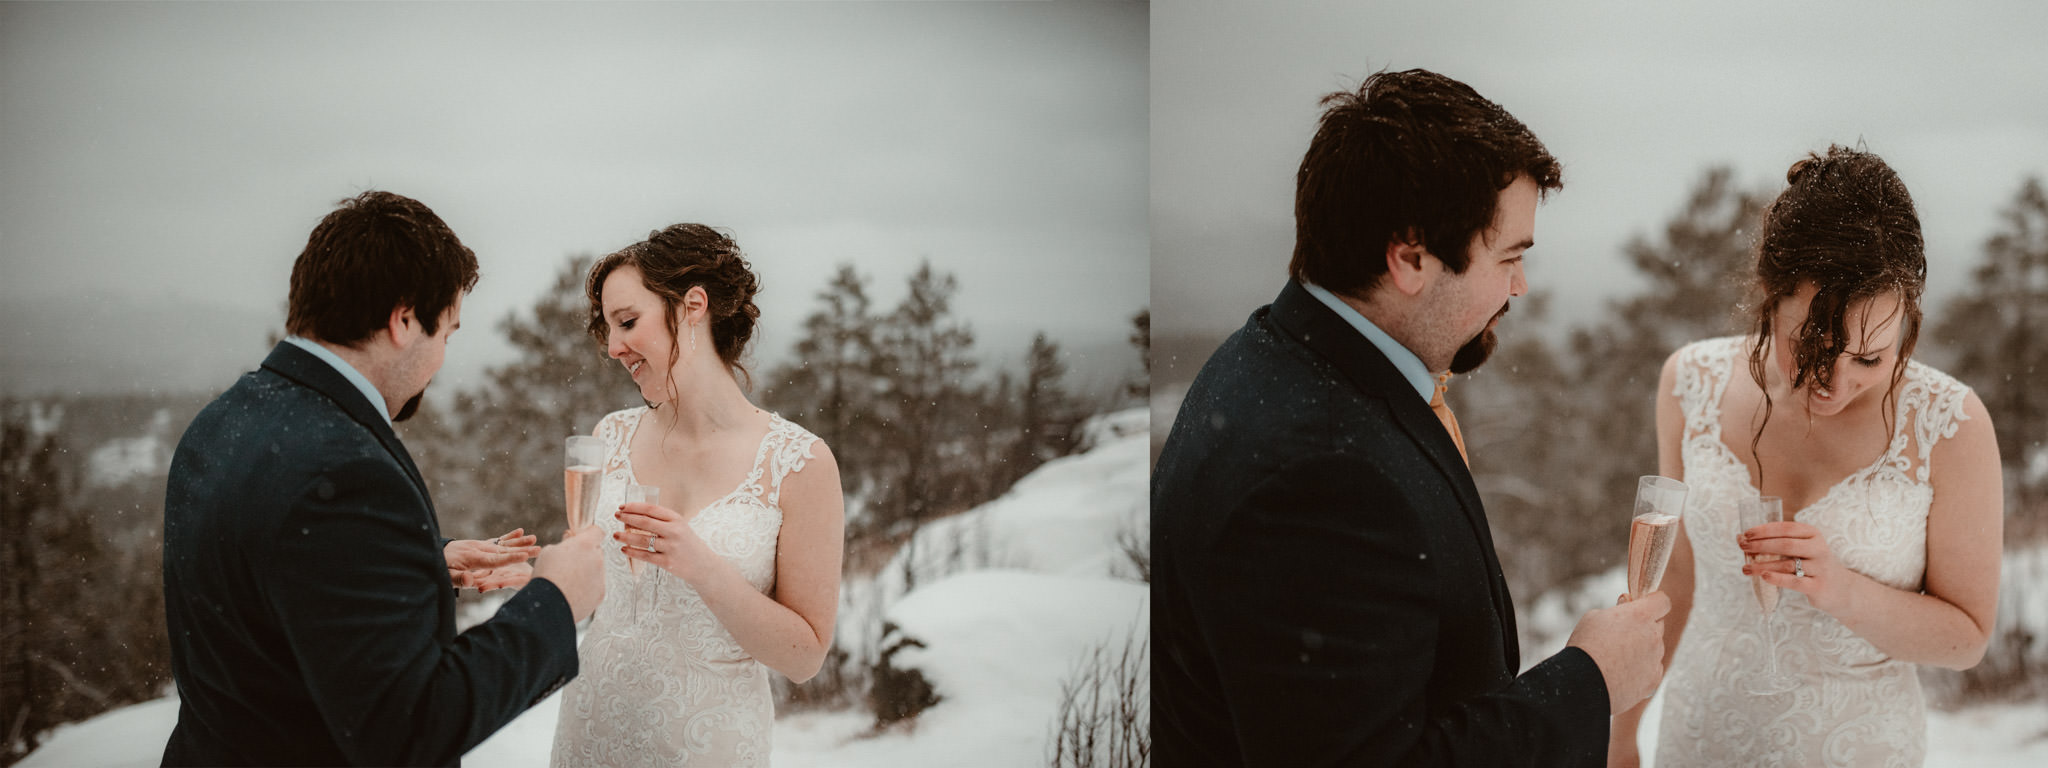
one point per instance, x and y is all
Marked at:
(1771, 657)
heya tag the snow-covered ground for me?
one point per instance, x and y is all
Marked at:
(1006, 599)
(122, 459)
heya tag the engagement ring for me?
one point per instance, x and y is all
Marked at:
(1798, 568)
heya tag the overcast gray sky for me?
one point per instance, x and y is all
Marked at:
(163, 163)
(1636, 99)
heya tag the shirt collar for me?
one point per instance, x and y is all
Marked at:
(347, 371)
(1404, 361)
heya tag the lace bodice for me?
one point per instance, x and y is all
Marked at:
(1854, 705)
(671, 686)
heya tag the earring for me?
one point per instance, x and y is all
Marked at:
(693, 339)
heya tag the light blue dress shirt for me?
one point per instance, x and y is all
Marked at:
(347, 371)
(1404, 361)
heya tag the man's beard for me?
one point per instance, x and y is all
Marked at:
(1475, 352)
(411, 407)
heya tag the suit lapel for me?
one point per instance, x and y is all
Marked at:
(1314, 325)
(300, 366)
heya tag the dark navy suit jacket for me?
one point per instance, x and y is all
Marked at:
(1325, 586)
(311, 617)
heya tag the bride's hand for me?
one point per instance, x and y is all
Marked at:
(668, 544)
(1825, 582)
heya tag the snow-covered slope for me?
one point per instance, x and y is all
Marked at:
(1006, 598)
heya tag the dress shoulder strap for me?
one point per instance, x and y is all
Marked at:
(1704, 369)
(1930, 409)
(786, 450)
(616, 429)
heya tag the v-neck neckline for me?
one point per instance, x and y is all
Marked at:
(760, 451)
(1748, 476)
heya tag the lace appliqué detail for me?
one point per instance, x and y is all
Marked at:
(1854, 706)
(674, 688)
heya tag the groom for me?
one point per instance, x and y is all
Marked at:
(1325, 581)
(306, 584)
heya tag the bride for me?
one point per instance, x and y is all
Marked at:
(738, 565)
(1889, 476)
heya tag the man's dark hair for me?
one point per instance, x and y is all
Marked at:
(378, 251)
(1411, 157)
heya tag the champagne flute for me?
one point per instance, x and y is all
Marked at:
(1755, 512)
(645, 494)
(1653, 529)
(582, 455)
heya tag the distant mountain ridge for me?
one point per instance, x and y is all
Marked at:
(97, 346)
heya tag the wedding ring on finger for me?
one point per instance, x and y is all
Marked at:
(1798, 568)
(649, 546)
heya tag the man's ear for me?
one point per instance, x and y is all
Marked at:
(1410, 265)
(403, 326)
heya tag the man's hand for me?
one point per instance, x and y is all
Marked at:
(509, 577)
(1627, 642)
(576, 566)
(473, 563)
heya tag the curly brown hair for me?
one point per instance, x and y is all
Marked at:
(671, 262)
(1846, 224)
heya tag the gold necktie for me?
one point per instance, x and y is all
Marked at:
(1443, 414)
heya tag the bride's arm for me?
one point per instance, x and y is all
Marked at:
(790, 631)
(1677, 584)
(1948, 622)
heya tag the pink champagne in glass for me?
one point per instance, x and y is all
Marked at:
(1660, 502)
(580, 479)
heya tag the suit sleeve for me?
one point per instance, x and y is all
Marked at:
(1321, 608)
(356, 580)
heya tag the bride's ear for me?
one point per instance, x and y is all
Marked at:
(696, 304)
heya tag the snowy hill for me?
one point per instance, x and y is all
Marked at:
(1005, 600)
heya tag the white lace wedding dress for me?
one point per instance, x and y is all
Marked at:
(1854, 706)
(673, 687)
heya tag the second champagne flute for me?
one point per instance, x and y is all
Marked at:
(645, 494)
(1752, 513)
(1652, 530)
(582, 456)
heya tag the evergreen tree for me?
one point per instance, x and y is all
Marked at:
(1049, 415)
(925, 352)
(1141, 337)
(1998, 333)
(832, 384)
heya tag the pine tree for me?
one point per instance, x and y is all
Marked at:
(832, 383)
(1141, 337)
(1998, 332)
(925, 352)
(1049, 415)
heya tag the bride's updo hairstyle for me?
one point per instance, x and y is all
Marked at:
(1847, 225)
(671, 262)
